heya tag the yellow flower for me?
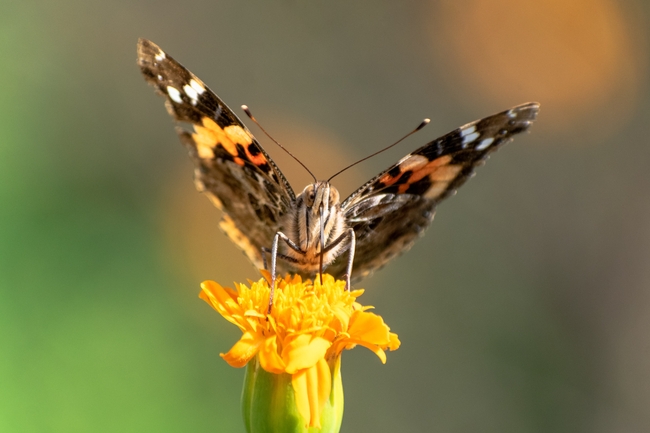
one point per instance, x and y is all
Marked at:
(308, 327)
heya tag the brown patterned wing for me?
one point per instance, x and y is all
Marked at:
(392, 210)
(231, 167)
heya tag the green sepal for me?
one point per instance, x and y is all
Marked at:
(268, 402)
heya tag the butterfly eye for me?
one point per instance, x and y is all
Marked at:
(309, 195)
(334, 196)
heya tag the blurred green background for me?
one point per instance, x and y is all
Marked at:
(526, 308)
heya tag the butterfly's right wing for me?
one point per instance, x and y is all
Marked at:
(231, 167)
(391, 211)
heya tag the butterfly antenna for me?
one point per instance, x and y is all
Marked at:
(250, 115)
(424, 123)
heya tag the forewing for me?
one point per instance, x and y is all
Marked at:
(231, 167)
(392, 210)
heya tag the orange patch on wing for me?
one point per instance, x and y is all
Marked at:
(214, 200)
(205, 141)
(412, 163)
(237, 134)
(403, 187)
(208, 136)
(258, 159)
(445, 173)
(388, 180)
(436, 189)
(242, 241)
(439, 171)
(431, 167)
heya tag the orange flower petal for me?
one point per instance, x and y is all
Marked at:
(242, 352)
(394, 342)
(312, 396)
(269, 358)
(304, 352)
(368, 327)
(324, 382)
(301, 391)
(374, 348)
(312, 388)
(224, 300)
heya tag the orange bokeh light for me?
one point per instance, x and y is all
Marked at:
(577, 58)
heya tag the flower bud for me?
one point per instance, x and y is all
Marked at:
(269, 402)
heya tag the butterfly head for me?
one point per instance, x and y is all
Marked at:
(320, 197)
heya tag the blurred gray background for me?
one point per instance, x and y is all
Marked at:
(524, 309)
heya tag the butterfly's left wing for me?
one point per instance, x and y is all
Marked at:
(392, 210)
(231, 167)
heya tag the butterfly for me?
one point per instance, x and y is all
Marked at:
(313, 230)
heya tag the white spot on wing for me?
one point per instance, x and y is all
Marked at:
(197, 86)
(174, 94)
(470, 137)
(467, 130)
(511, 114)
(485, 144)
(189, 91)
(161, 55)
(468, 134)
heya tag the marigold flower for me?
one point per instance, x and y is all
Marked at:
(303, 336)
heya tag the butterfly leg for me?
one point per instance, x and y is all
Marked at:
(353, 241)
(348, 272)
(284, 257)
(274, 259)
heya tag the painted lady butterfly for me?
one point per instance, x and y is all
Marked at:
(377, 222)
